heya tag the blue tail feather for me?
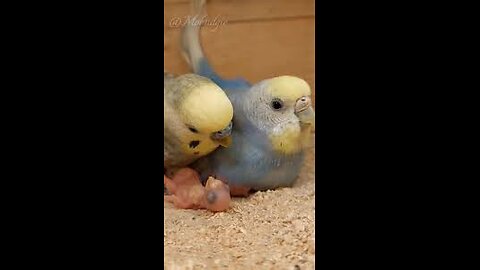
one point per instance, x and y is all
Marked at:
(207, 71)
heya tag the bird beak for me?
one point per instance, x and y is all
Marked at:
(225, 142)
(224, 137)
(305, 112)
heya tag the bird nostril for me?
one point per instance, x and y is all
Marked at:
(302, 104)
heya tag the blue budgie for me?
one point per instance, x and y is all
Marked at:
(272, 125)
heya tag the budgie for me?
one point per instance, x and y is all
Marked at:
(197, 119)
(272, 125)
(188, 192)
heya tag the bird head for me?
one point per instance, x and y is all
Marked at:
(282, 108)
(217, 195)
(207, 114)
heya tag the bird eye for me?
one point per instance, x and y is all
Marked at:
(277, 104)
(193, 130)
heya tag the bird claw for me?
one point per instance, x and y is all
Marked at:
(239, 191)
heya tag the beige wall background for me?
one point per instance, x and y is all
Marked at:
(254, 39)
